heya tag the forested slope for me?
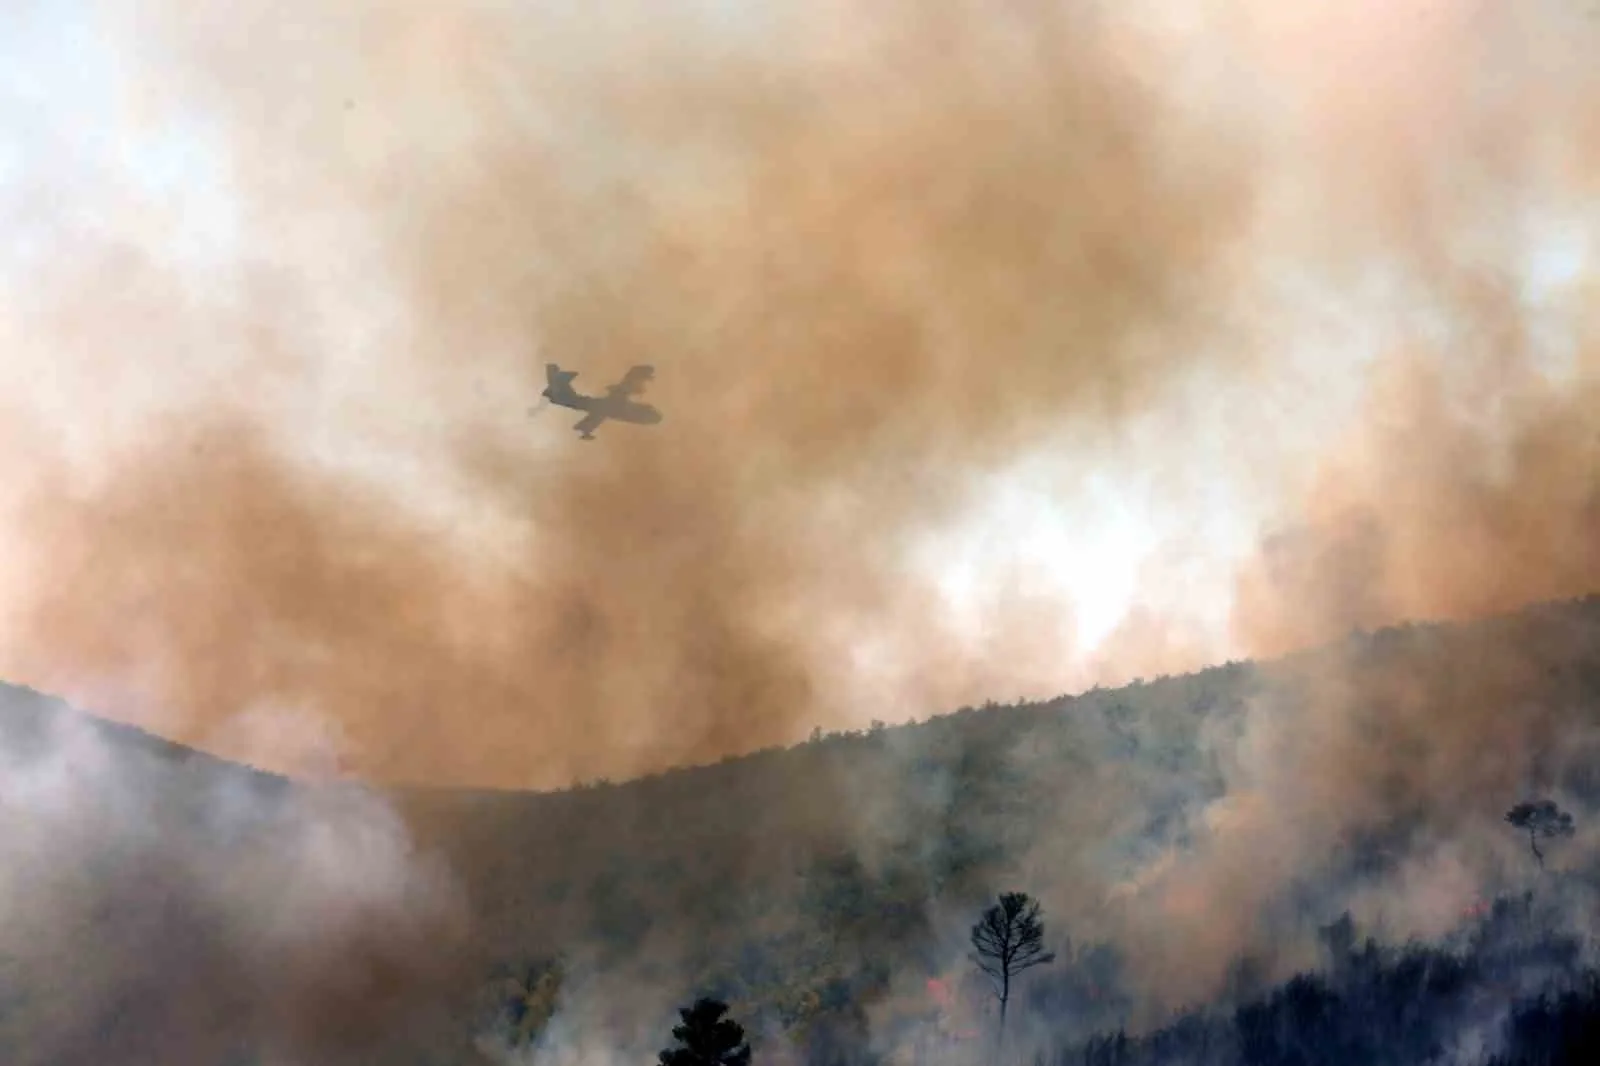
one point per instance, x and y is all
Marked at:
(1191, 838)
(823, 886)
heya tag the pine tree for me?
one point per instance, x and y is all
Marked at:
(1007, 940)
(706, 1038)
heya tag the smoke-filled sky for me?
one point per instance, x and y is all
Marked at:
(1003, 348)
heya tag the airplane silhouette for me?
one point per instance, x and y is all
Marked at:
(614, 404)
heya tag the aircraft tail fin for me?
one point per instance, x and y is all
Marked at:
(558, 383)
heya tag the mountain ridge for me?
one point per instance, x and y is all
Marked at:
(23, 710)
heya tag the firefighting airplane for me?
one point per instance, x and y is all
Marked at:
(614, 405)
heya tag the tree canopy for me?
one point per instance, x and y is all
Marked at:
(1540, 818)
(706, 1038)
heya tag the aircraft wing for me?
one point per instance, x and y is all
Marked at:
(632, 382)
(587, 424)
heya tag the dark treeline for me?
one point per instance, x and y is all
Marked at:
(1387, 1007)
(1510, 989)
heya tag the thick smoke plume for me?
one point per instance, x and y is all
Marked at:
(1468, 484)
(163, 912)
(872, 257)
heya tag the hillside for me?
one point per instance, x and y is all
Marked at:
(1188, 837)
(848, 869)
(161, 906)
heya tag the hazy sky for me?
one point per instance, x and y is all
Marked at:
(1084, 522)
(187, 202)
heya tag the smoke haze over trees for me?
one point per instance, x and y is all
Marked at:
(826, 891)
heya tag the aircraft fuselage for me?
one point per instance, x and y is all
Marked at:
(613, 406)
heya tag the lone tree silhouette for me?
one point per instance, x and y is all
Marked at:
(1007, 940)
(1540, 818)
(707, 1038)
